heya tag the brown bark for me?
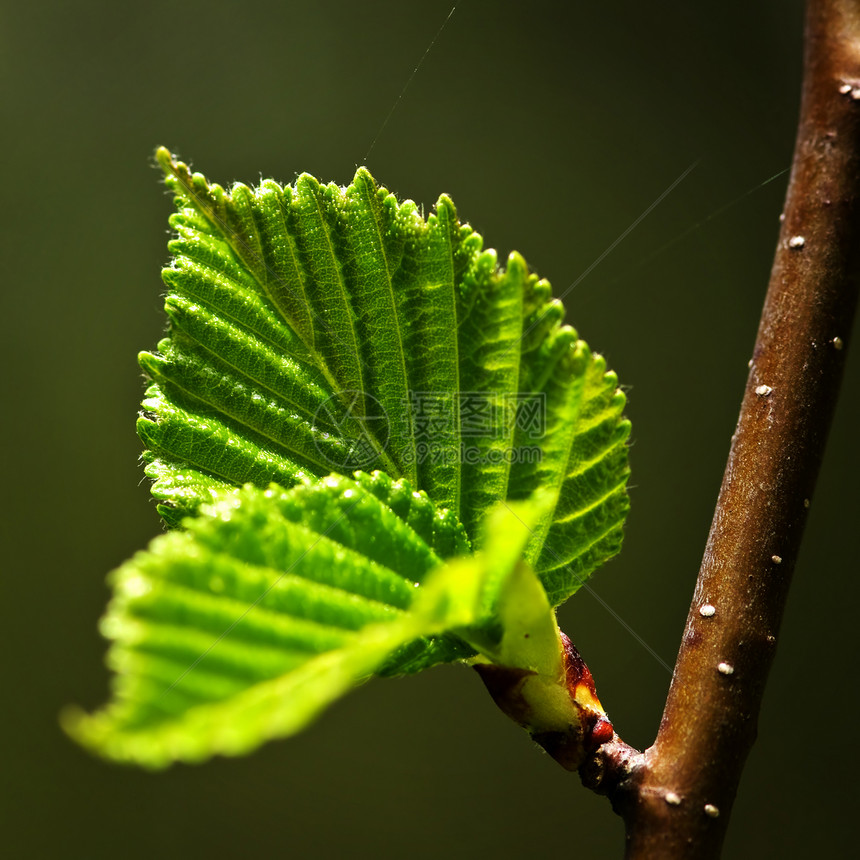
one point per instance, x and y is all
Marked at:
(677, 796)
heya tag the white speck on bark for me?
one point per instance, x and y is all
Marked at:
(726, 669)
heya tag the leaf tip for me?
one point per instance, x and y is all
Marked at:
(308, 186)
(150, 364)
(165, 160)
(79, 726)
(517, 267)
(364, 179)
(446, 209)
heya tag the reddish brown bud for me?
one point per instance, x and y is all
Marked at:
(568, 732)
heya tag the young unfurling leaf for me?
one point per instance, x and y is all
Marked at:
(272, 603)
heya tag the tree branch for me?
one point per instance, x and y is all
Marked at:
(676, 797)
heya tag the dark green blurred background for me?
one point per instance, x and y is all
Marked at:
(553, 126)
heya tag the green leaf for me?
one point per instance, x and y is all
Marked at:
(317, 329)
(274, 602)
(350, 399)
